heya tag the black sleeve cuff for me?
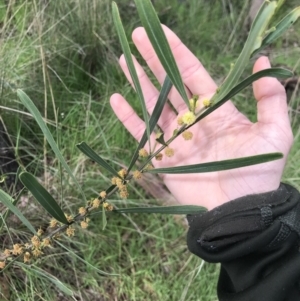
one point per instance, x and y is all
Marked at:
(256, 239)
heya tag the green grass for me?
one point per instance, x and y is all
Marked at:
(64, 55)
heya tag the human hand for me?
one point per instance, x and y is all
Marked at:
(224, 134)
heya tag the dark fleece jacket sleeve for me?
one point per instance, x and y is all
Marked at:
(256, 239)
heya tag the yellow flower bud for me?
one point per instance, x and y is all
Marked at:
(53, 223)
(180, 121)
(96, 203)
(122, 173)
(206, 102)
(27, 257)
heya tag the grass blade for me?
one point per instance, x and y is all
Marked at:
(187, 209)
(253, 41)
(271, 72)
(34, 269)
(104, 220)
(128, 57)
(9, 202)
(160, 44)
(84, 261)
(280, 28)
(218, 165)
(83, 147)
(162, 98)
(43, 196)
(39, 119)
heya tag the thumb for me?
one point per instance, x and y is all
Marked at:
(271, 97)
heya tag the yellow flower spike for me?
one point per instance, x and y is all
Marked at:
(137, 175)
(82, 211)
(105, 205)
(159, 157)
(143, 153)
(110, 207)
(40, 232)
(180, 121)
(114, 180)
(124, 193)
(102, 194)
(96, 203)
(188, 118)
(27, 257)
(2, 264)
(84, 224)
(119, 183)
(206, 103)
(70, 231)
(187, 135)
(169, 152)
(53, 223)
(122, 173)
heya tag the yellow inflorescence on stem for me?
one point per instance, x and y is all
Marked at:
(187, 135)
(7, 252)
(143, 153)
(169, 152)
(69, 217)
(96, 203)
(82, 211)
(137, 175)
(102, 194)
(27, 257)
(188, 118)
(70, 231)
(206, 103)
(40, 232)
(46, 242)
(122, 173)
(84, 224)
(17, 249)
(35, 241)
(2, 264)
(37, 252)
(53, 223)
(180, 120)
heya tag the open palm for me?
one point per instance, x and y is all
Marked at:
(224, 134)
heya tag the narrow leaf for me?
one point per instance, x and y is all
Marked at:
(218, 165)
(162, 98)
(160, 44)
(280, 28)
(43, 196)
(129, 62)
(9, 202)
(187, 209)
(253, 41)
(83, 147)
(84, 261)
(271, 72)
(39, 119)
